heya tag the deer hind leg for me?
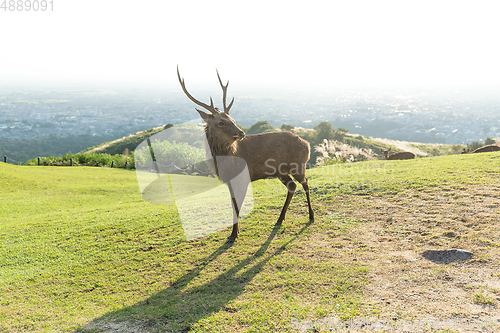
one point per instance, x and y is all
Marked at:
(301, 178)
(291, 186)
(305, 185)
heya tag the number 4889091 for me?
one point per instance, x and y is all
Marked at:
(27, 5)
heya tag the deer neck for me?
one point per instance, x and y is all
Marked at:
(218, 147)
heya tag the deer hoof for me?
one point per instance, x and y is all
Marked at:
(230, 240)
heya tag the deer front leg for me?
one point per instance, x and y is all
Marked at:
(236, 217)
(234, 234)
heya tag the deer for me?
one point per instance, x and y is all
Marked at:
(485, 149)
(281, 155)
(404, 155)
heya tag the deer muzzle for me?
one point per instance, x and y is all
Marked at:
(240, 135)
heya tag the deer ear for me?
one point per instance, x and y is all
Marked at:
(204, 115)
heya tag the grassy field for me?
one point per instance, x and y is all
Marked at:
(81, 251)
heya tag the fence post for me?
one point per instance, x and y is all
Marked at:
(39, 161)
(5, 158)
(70, 162)
(112, 163)
(126, 163)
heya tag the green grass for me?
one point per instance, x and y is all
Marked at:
(80, 249)
(422, 174)
(482, 299)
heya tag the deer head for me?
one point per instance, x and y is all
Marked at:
(385, 152)
(403, 155)
(219, 124)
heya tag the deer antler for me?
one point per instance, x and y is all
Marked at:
(210, 107)
(224, 94)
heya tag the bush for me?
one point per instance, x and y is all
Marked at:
(286, 127)
(490, 141)
(332, 152)
(86, 159)
(260, 127)
(165, 153)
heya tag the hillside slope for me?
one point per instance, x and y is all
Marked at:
(421, 150)
(82, 251)
(126, 143)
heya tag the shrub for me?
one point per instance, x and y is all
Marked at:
(260, 127)
(165, 152)
(86, 159)
(332, 152)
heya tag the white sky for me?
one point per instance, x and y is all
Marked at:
(276, 42)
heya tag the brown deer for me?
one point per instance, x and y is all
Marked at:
(485, 149)
(404, 155)
(267, 155)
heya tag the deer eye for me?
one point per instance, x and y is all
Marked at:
(221, 123)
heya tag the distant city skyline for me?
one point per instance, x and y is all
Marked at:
(289, 44)
(451, 116)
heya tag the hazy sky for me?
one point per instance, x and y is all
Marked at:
(273, 42)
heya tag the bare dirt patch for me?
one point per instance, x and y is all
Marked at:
(402, 283)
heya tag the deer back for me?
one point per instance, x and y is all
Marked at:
(487, 149)
(273, 154)
(405, 155)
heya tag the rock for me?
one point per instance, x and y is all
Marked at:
(446, 256)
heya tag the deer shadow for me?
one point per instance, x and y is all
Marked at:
(187, 307)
